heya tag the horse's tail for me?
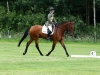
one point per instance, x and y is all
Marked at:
(24, 36)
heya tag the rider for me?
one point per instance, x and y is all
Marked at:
(50, 21)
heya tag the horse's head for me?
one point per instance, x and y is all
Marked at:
(67, 25)
(70, 28)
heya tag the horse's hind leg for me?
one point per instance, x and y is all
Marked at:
(37, 46)
(28, 43)
(53, 46)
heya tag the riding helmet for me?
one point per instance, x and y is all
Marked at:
(51, 8)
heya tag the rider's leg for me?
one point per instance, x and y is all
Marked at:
(48, 35)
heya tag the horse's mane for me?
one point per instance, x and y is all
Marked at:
(60, 23)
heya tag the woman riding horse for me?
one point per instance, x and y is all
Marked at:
(35, 33)
(50, 21)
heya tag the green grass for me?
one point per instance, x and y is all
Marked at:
(12, 62)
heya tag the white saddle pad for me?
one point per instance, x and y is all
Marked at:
(44, 29)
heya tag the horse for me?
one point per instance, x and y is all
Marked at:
(35, 33)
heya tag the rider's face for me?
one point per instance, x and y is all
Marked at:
(52, 11)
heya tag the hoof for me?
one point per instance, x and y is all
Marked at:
(47, 55)
(41, 54)
(24, 53)
(68, 56)
(18, 45)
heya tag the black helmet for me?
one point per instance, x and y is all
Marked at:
(51, 8)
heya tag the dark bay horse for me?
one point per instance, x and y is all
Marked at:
(35, 33)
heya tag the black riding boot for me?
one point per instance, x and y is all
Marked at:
(48, 36)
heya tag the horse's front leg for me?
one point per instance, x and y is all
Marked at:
(37, 46)
(53, 46)
(62, 43)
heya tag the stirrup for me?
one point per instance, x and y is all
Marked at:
(48, 38)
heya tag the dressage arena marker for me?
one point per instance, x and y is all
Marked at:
(92, 55)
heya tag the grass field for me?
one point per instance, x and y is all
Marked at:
(12, 62)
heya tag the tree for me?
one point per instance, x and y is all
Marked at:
(87, 12)
(7, 7)
(94, 20)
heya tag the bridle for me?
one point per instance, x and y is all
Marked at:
(57, 26)
(61, 27)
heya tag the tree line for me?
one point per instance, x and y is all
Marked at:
(17, 15)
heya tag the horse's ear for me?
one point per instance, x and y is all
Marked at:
(73, 22)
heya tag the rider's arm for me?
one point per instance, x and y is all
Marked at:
(54, 21)
(50, 18)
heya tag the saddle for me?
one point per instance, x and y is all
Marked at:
(45, 29)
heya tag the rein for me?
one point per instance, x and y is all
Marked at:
(58, 27)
